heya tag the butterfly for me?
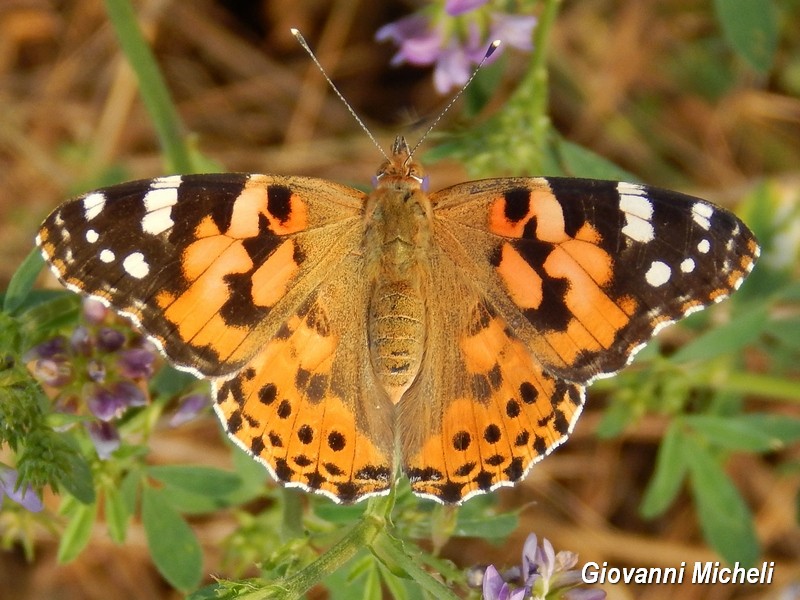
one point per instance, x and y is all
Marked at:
(350, 336)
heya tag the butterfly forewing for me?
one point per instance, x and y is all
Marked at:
(587, 271)
(209, 265)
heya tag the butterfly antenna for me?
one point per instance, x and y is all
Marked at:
(302, 41)
(489, 51)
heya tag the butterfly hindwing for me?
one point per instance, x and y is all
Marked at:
(209, 265)
(587, 271)
(483, 410)
(308, 406)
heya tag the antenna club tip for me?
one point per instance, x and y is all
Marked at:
(492, 47)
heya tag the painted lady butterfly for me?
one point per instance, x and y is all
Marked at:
(352, 335)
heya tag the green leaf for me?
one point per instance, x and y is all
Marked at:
(198, 480)
(78, 531)
(749, 432)
(577, 161)
(725, 339)
(399, 589)
(22, 281)
(59, 310)
(751, 29)
(173, 545)
(371, 590)
(196, 489)
(616, 417)
(669, 474)
(78, 481)
(169, 381)
(785, 330)
(724, 517)
(129, 489)
(117, 514)
(489, 527)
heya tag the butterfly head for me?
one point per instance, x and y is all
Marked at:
(401, 168)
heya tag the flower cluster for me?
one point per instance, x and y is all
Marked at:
(97, 372)
(543, 575)
(455, 38)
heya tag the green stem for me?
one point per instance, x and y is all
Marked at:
(154, 91)
(292, 525)
(537, 79)
(520, 135)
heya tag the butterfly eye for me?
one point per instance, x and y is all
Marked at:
(425, 183)
(375, 180)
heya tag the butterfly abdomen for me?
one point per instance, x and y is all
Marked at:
(396, 246)
(396, 335)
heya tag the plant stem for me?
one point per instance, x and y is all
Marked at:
(372, 523)
(537, 78)
(154, 91)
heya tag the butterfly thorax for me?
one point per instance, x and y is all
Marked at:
(396, 240)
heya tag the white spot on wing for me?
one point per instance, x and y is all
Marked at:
(703, 246)
(638, 210)
(701, 213)
(158, 203)
(171, 181)
(687, 266)
(107, 255)
(135, 265)
(93, 205)
(658, 274)
(92, 236)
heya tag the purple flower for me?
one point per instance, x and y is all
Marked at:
(94, 311)
(24, 496)
(102, 403)
(110, 340)
(513, 30)
(455, 50)
(136, 363)
(544, 574)
(52, 348)
(96, 370)
(80, 341)
(419, 42)
(496, 588)
(110, 402)
(190, 407)
(458, 7)
(55, 372)
(105, 438)
(452, 68)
